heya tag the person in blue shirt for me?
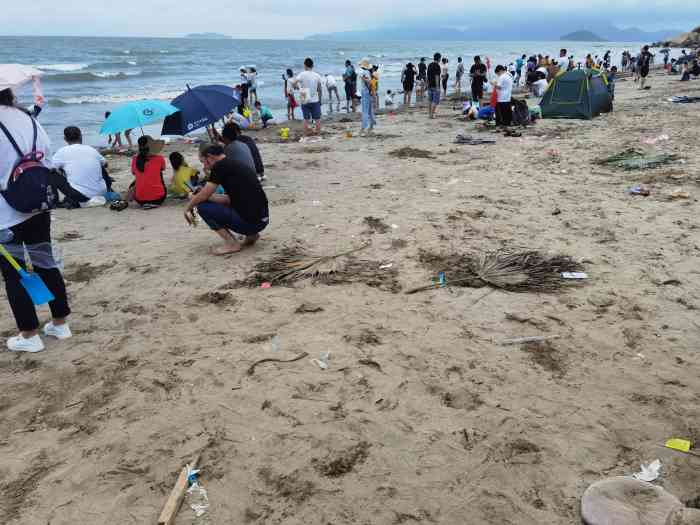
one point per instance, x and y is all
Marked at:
(265, 113)
(519, 63)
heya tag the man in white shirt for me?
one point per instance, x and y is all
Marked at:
(504, 88)
(332, 87)
(310, 95)
(82, 165)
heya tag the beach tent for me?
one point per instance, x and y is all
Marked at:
(577, 94)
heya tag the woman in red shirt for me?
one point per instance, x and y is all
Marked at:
(149, 188)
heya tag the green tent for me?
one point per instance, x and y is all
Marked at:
(578, 94)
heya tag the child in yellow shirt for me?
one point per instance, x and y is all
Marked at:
(182, 175)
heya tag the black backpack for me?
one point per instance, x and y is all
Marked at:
(521, 113)
(29, 188)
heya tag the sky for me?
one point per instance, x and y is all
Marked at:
(288, 19)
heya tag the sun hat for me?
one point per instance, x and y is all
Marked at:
(365, 63)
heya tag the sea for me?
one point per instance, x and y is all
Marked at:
(85, 77)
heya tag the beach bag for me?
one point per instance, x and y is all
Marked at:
(521, 113)
(494, 98)
(30, 188)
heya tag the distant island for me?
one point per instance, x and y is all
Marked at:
(582, 36)
(208, 36)
(535, 30)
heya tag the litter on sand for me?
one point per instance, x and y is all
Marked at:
(470, 141)
(574, 275)
(634, 159)
(654, 140)
(682, 445)
(322, 360)
(684, 100)
(639, 190)
(649, 472)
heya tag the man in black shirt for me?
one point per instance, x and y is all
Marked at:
(434, 73)
(478, 74)
(422, 70)
(644, 64)
(242, 209)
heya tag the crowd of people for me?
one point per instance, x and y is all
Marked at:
(227, 192)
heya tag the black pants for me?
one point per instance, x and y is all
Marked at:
(33, 231)
(477, 91)
(72, 197)
(504, 114)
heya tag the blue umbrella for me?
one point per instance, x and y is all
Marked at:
(199, 107)
(136, 115)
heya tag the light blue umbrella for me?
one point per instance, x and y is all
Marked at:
(136, 115)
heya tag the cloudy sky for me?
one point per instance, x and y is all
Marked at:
(287, 19)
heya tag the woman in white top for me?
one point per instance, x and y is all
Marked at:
(444, 75)
(27, 230)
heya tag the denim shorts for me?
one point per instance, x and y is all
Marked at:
(218, 216)
(311, 111)
(434, 96)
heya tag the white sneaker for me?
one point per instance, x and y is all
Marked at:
(61, 331)
(20, 344)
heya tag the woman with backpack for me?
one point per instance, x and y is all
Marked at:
(28, 232)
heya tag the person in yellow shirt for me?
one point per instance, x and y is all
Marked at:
(182, 175)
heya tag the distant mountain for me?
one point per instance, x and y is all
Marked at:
(582, 36)
(208, 36)
(546, 30)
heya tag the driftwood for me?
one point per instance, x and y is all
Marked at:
(172, 504)
(534, 339)
(251, 369)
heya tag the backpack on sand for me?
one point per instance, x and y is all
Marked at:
(30, 188)
(521, 113)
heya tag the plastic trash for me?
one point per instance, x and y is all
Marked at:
(322, 360)
(574, 275)
(197, 495)
(442, 279)
(266, 285)
(649, 472)
(639, 190)
(653, 140)
(275, 344)
(386, 266)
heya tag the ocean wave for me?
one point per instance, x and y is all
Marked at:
(98, 76)
(110, 99)
(62, 67)
(116, 64)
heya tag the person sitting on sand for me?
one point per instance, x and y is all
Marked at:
(184, 177)
(148, 188)
(83, 167)
(242, 209)
(389, 99)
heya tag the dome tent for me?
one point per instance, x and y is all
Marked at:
(576, 94)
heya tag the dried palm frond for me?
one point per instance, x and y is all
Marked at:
(524, 271)
(528, 271)
(290, 265)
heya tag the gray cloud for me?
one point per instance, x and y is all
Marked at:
(286, 19)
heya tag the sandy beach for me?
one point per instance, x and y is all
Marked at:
(422, 415)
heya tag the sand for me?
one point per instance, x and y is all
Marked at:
(422, 416)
